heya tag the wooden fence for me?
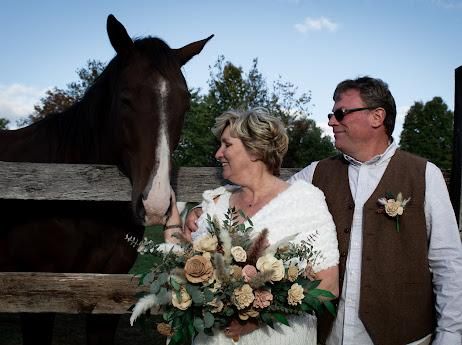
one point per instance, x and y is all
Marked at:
(75, 293)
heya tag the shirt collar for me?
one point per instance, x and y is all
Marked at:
(387, 154)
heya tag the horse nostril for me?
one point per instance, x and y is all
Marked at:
(140, 212)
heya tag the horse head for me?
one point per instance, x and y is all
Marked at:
(150, 99)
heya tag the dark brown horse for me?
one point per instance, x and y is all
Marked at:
(130, 117)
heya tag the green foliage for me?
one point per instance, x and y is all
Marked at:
(428, 132)
(4, 123)
(231, 88)
(57, 100)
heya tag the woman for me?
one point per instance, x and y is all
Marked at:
(253, 145)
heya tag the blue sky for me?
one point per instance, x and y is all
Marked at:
(413, 45)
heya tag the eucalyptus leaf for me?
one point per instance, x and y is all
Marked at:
(175, 285)
(155, 287)
(148, 278)
(209, 319)
(228, 311)
(208, 295)
(198, 324)
(163, 278)
(168, 315)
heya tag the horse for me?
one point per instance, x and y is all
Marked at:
(130, 117)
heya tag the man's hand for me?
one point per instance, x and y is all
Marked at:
(190, 221)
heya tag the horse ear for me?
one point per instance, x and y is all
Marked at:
(188, 51)
(118, 36)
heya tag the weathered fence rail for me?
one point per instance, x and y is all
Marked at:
(74, 293)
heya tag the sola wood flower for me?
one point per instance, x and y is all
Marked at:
(198, 269)
(394, 207)
(183, 301)
(165, 329)
(263, 299)
(243, 296)
(295, 294)
(248, 272)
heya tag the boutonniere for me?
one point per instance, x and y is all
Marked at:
(394, 208)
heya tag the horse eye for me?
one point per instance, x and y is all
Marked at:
(126, 101)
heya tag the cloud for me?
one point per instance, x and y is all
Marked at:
(17, 101)
(327, 131)
(400, 116)
(311, 24)
(449, 4)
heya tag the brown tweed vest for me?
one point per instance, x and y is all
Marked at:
(396, 302)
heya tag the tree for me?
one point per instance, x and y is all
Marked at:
(231, 88)
(4, 123)
(428, 132)
(57, 100)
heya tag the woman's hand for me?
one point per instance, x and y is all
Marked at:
(329, 279)
(237, 329)
(190, 224)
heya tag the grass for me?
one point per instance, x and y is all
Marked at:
(144, 262)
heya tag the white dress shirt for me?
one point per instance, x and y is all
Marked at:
(445, 253)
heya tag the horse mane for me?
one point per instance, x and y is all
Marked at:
(79, 127)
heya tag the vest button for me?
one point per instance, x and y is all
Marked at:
(351, 206)
(343, 254)
(347, 230)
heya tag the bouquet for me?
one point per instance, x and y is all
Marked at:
(229, 274)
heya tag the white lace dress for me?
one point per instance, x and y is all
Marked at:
(302, 209)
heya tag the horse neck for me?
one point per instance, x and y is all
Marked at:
(61, 138)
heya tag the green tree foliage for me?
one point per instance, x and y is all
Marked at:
(58, 100)
(4, 123)
(231, 88)
(428, 132)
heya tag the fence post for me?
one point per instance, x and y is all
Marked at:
(455, 189)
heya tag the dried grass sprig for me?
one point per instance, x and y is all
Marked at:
(257, 247)
(226, 243)
(260, 279)
(220, 268)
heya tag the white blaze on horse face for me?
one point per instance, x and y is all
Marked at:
(158, 189)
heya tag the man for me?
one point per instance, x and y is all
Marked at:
(401, 273)
(401, 255)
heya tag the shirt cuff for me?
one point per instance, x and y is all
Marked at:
(447, 338)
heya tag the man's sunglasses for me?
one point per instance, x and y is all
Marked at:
(341, 113)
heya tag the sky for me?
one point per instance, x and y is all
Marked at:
(413, 45)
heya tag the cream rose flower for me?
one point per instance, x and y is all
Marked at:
(198, 269)
(207, 243)
(185, 302)
(239, 254)
(243, 296)
(217, 305)
(207, 255)
(393, 208)
(269, 262)
(244, 315)
(292, 273)
(295, 294)
(236, 272)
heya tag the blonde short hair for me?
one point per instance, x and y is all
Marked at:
(262, 134)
